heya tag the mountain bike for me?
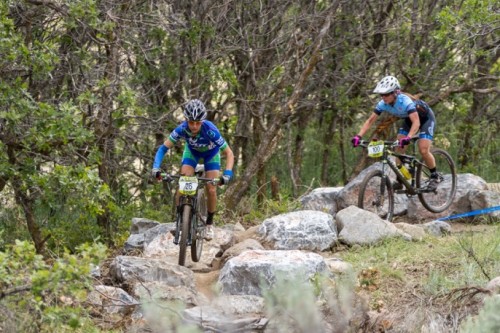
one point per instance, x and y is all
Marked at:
(376, 192)
(191, 213)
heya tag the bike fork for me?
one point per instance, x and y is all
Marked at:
(177, 226)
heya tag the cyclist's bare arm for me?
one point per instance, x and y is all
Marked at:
(368, 123)
(415, 124)
(228, 153)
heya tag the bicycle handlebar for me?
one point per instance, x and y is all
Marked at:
(170, 177)
(392, 144)
(364, 143)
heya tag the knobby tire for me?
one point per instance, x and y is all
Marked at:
(185, 228)
(376, 195)
(199, 226)
(439, 200)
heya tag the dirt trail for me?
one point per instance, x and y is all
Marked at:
(205, 283)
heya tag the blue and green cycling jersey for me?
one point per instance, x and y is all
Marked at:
(206, 144)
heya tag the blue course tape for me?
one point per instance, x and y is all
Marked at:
(472, 213)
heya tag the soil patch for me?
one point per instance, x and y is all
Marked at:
(206, 283)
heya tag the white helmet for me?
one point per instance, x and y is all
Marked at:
(195, 110)
(387, 85)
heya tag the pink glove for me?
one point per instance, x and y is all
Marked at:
(356, 140)
(404, 141)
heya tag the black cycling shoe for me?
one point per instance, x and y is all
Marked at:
(433, 184)
(434, 181)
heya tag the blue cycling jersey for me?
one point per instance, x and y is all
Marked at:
(402, 107)
(206, 144)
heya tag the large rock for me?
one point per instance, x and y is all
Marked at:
(108, 299)
(158, 291)
(465, 184)
(163, 247)
(254, 270)
(237, 249)
(348, 196)
(143, 231)
(358, 226)
(323, 199)
(230, 313)
(301, 230)
(128, 270)
(140, 225)
(485, 199)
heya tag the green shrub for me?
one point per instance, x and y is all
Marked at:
(46, 295)
(488, 319)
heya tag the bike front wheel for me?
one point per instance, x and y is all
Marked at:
(185, 228)
(199, 226)
(442, 197)
(376, 195)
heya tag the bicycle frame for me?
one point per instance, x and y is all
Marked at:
(192, 201)
(375, 198)
(189, 232)
(411, 160)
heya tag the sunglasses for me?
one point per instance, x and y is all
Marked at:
(385, 95)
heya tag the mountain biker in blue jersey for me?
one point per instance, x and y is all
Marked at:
(204, 144)
(417, 116)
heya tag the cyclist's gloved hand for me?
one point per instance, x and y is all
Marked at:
(404, 141)
(356, 140)
(226, 177)
(156, 173)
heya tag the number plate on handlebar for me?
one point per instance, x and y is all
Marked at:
(375, 148)
(188, 185)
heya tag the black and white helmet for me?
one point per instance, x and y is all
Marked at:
(387, 85)
(195, 110)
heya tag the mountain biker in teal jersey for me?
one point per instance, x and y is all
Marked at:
(204, 144)
(417, 116)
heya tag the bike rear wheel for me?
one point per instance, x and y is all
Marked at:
(440, 199)
(185, 228)
(199, 226)
(376, 196)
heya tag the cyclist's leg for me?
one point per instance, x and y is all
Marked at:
(425, 142)
(424, 146)
(188, 165)
(189, 162)
(212, 168)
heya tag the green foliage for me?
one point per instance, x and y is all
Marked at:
(291, 303)
(164, 316)
(46, 296)
(295, 305)
(72, 198)
(488, 319)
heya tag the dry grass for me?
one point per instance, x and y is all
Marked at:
(429, 286)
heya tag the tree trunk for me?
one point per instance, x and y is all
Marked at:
(265, 150)
(105, 132)
(27, 203)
